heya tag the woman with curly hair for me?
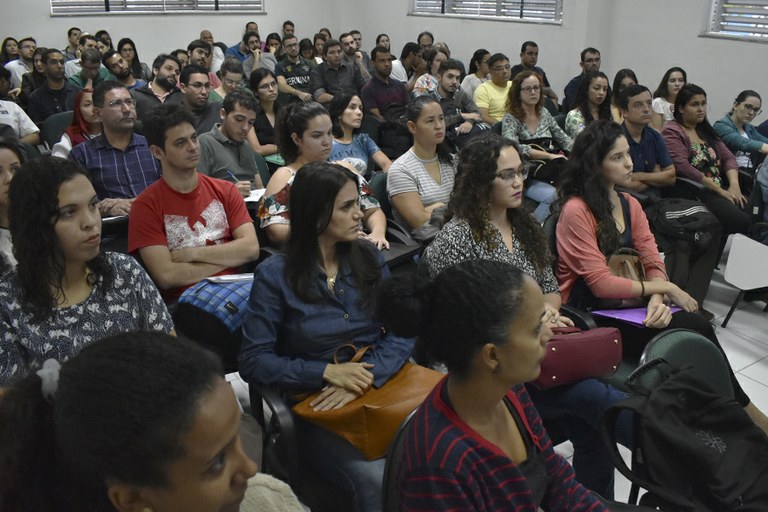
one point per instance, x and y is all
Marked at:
(590, 103)
(65, 293)
(527, 123)
(595, 222)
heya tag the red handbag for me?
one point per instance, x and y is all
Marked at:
(573, 355)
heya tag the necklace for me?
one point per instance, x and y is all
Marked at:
(330, 280)
(425, 161)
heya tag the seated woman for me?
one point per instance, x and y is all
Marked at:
(590, 103)
(737, 132)
(264, 86)
(477, 442)
(65, 293)
(303, 137)
(478, 72)
(9, 50)
(664, 97)
(11, 158)
(526, 122)
(623, 79)
(308, 301)
(33, 80)
(427, 82)
(111, 445)
(595, 222)
(85, 125)
(349, 144)
(274, 45)
(382, 40)
(231, 74)
(487, 222)
(700, 155)
(127, 49)
(420, 182)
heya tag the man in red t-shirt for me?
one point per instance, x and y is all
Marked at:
(187, 226)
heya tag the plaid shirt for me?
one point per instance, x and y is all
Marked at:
(115, 173)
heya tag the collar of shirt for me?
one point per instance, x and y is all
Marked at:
(161, 97)
(223, 139)
(101, 142)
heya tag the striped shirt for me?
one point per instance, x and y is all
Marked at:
(118, 174)
(447, 466)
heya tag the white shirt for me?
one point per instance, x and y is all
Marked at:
(12, 115)
(17, 69)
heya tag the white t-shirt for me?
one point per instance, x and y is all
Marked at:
(470, 83)
(665, 108)
(398, 72)
(12, 115)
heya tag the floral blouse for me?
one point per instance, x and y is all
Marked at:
(704, 158)
(514, 129)
(274, 209)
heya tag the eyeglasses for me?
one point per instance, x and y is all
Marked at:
(198, 85)
(511, 174)
(130, 103)
(530, 89)
(501, 68)
(266, 87)
(230, 82)
(752, 110)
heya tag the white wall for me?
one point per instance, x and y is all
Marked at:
(648, 36)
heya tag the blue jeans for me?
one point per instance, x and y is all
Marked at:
(337, 460)
(542, 193)
(577, 409)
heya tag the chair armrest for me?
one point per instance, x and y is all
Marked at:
(581, 319)
(280, 454)
(642, 198)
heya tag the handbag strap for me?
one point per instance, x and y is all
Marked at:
(357, 353)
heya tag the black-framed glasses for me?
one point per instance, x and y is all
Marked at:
(530, 89)
(130, 103)
(753, 110)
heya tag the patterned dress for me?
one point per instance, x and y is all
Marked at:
(131, 303)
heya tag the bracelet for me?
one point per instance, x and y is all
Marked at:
(642, 289)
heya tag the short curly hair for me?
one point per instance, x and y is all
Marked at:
(514, 104)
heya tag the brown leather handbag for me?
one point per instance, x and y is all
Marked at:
(574, 355)
(626, 263)
(370, 422)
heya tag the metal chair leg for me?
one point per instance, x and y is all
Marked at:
(733, 307)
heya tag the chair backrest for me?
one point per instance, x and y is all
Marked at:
(560, 120)
(745, 268)
(378, 184)
(496, 128)
(550, 233)
(389, 486)
(53, 127)
(682, 347)
(262, 167)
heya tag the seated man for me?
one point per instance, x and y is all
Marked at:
(382, 90)
(200, 53)
(352, 55)
(491, 96)
(73, 66)
(73, 35)
(119, 161)
(217, 49)
(335, 74)
(462, 117)
(187, 226)
(293, 72)
(529, 57)
(162, 88)
(91, 73)
(116, 65)
(590, 61)
(410, 66)
(25, 63)
(652, 165)
(56, 95)
(195, 88)
(223, 151)
(13, 116)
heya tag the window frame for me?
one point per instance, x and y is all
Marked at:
(415, 10)
(145, 7)
(717, 16)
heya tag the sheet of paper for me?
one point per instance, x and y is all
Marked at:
(255, 196)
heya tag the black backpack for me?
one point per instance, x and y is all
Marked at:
(674, 220)
(695, 450)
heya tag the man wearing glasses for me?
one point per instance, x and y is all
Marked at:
(24, 64)
(590, 61)
(119, 161)
(293, 72)
(491, 96)
(195, 87)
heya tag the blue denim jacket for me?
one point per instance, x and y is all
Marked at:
(288, 342)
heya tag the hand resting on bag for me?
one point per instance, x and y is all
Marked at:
(332, 397)
(354, 377)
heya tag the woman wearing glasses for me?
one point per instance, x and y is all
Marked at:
(527, 122)
(737, 132)
(264, 86)
(231, 74)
